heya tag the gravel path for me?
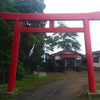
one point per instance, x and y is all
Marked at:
(59, 89)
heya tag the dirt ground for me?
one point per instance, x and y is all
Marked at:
(66, 86)
(67, 74)
(71, 74)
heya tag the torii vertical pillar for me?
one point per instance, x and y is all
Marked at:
(89, 59)
(14, 56)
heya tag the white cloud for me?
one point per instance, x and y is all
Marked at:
(72, 6)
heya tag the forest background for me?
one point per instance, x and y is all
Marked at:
(28, 39)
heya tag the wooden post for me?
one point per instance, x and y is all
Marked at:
(4, 78)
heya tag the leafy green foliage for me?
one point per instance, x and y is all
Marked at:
(21, 71)
(66, 40)
(50, 43)
(27, 39)
(44, 65)
(84, 61)
(22, 84)
(25, 82)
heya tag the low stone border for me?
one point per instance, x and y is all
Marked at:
(7, 93)
(40, 74)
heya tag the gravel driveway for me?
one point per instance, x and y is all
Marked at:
(58, 89)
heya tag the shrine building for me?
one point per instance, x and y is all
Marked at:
(65, 60)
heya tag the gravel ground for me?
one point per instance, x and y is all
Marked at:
(66, 86)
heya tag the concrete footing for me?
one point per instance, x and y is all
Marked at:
(7, 93)
(94, 95)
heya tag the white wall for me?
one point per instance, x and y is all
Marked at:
(67, 52)
(58, 57)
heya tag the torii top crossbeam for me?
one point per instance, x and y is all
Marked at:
(42, 16)
(51, 18)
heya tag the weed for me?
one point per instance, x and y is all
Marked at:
(98, 86)
(90, 98)
(80, 95)
(97, 99)
(25, 83)
(83, 95)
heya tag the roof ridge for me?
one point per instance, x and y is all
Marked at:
(64, 51)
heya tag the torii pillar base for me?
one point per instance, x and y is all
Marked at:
(7, 93)
(93, 95)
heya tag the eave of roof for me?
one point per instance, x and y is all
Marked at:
(67, 50)
(96, 52)
(69, 56)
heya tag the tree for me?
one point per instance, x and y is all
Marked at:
(50, 43)
(66, 40)
(6, 35)
(27, 39)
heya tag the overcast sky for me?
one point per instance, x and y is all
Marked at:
(78, 6)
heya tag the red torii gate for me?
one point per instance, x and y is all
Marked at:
(85, 17)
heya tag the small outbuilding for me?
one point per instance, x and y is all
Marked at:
(96, 58)
(65, 60)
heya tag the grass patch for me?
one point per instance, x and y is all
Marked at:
(80, 94)
(25, 83)
(71, 76)
(98, 86)
(1, 86)
(83, 95)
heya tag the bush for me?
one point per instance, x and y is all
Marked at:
(84, 61)
(44, 65)
(21, 71)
